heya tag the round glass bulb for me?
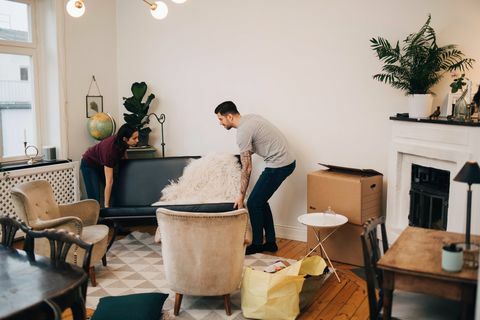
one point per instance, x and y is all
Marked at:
(161, 11)
(179, 1)
(75, 8)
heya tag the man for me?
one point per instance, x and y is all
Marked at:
(256, 135)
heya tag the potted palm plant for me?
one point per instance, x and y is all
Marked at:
(138, 117)
(417, 66)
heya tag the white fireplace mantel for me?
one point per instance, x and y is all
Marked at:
(436, 145)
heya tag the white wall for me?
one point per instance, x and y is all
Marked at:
(91, 49)
(305, 65)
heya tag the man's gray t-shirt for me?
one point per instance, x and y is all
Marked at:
(258, 135)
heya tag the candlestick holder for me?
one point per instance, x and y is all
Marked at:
(31, 152)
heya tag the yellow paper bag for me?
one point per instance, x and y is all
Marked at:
(276, 295)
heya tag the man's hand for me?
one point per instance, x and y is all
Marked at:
(239, 202)
(246, 159)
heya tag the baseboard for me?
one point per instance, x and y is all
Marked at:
(291, 233)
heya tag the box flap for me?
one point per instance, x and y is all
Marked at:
(360, 172)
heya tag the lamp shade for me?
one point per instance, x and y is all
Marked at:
(470, 173)
(159, 11)
(75, 8)
(179, 1)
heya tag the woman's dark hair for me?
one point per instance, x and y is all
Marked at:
(227, 107)
(125, 131)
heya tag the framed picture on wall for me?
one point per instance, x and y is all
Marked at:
(94, 104)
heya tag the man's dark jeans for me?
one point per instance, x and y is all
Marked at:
(260, 213)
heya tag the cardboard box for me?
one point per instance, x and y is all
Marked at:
(342, 246)
(355, 193)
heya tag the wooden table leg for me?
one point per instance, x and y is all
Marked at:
(388, 285)
(468, 302)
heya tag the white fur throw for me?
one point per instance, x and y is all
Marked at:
(211, 179)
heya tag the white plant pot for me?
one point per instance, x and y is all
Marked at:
(420, 105)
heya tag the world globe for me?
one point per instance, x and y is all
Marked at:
(100, 126)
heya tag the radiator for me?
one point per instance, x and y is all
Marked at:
(63, 177)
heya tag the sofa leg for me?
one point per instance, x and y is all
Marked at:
(228, 306)
(115, 228)
(91, 273)
(178, 302)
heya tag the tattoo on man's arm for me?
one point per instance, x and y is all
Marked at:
(246, 159)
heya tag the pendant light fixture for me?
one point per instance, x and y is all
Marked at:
(158, 9)
(76, 8)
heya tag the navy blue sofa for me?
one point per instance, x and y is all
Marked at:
(138, 183)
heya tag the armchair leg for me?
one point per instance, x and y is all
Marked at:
(178, 302)
(228, 306)
(91, 273)
(104, 260)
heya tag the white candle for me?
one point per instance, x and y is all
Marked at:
(25, 135)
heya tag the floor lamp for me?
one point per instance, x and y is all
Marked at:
(470, 174)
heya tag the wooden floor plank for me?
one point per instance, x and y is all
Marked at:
(338, 302)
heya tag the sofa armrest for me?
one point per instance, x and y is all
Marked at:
(71, 224)
(87, 210)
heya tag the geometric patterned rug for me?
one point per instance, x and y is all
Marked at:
(135, 265)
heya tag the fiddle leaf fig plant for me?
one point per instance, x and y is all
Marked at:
(138, 117)
(420, 63)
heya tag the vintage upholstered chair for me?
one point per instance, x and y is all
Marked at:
(35, 204)
(203, 253)
(406, 305)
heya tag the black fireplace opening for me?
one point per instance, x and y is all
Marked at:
(429, 197)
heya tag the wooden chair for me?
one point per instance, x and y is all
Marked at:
(10, 225)
(60, 243)
(371, 255)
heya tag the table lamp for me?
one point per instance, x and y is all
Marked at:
(470, 174)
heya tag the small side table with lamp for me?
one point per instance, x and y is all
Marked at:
(470, 174)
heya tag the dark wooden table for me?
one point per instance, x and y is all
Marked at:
(26, 283)
(414, 263)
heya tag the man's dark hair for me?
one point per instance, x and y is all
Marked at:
(227, 107)
(125, 131)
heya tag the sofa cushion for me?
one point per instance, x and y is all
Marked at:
(139, 182)
(149, 211)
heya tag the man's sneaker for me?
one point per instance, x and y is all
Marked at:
(254, 248)
(270, 247)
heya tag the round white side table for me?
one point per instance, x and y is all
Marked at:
(319, 221)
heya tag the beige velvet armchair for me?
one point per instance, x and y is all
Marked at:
(35, 204)
(203, 253)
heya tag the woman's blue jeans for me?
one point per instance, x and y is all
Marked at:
(93, 179)
(259, 210)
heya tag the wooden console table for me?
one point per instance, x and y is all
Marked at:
(414, 263)
(142, 152)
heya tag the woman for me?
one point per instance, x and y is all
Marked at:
(98, 161)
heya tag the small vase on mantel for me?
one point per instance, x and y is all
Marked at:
(461, 111)
(419, 105)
